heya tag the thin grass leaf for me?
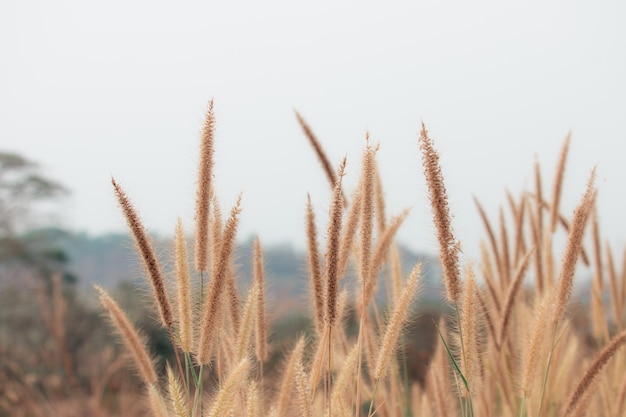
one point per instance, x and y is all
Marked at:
(451, 356)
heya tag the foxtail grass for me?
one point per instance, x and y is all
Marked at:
(183, 281)
(396, 321)
(218, 283)
(592, 371)
(130, 337)
(509, 348)
(319, 151)
(448, 245)
(558, 184)
(260, 321)
(148, 255)
(574, 242)
(203, 197)
(315, 273)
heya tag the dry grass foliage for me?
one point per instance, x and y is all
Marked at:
(509, 348)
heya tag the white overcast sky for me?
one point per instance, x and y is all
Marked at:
(95, 89)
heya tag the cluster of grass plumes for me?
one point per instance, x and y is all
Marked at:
(509, 349)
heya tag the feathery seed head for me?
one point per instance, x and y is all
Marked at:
(594, 368)
(218, 284)
(332, 249)
(367, 211)
(183, 285)
(469, 359)
(203, 197)
(130, 337)
(224, 402)
(315, 273)
(398, 317)
(574, 243)
(146, 251)
(449, 247)
(261, 324)
(319, 151)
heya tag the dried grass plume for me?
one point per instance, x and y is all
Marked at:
(449, 247)
(146, 250)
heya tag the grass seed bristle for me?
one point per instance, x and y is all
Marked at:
(148, 256)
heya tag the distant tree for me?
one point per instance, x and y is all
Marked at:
(23, 193)
(22, 190)
(40, 313)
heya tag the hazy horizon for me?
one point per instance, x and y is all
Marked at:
(120, 89)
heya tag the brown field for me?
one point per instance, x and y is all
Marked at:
(502, 348)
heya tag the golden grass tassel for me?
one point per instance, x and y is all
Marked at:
(184, 288)
(304, 394)
(398, 317)
(449, 247)
(218, 284)
(332, 250)
(558, 184)
(156, 402)
(177, 398)
(144, 246)
(315, 273)
(319, 151)
(283, 399)
(345, 377)
(516, 284)
(245, 328)
(130, 336)
(224, 402)
(572, 250)
(349, 233)
(367, 214)
(261, 322)
(380, 253)
(469, 331)
(381, 218)
(532, 350)
(253, 408)
(203, 198)
(593, 370)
